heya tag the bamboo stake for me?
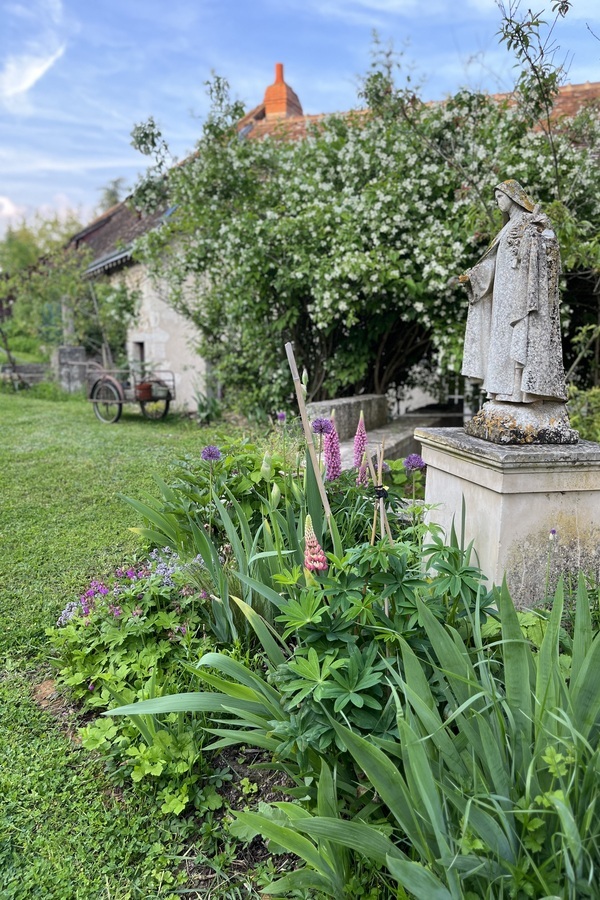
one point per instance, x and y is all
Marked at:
(289, 349)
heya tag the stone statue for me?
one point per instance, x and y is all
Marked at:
(512, 341)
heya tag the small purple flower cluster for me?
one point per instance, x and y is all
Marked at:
(177, 631)
(88, 600)
(322, 426)
(85, 605)
(281, 417)
(414, 463)
(211, 453)
(72, 609)
(165, 563)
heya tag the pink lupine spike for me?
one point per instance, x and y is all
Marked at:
(333, 459)
(314, 557)
(360, 441)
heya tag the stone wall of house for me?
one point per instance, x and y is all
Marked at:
(161, 338)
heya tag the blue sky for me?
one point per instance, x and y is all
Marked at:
(76, 75)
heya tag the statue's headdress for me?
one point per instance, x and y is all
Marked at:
(517, 193)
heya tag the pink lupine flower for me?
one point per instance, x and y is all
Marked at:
(333, 459)
(314, 558)
(362, 479)
(360, 442)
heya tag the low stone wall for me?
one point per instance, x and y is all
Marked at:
(30, 373)
(347, 412)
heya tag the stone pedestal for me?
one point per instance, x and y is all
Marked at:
(533, 512)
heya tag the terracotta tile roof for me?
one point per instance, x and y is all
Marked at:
(111, 235)
(570, 99)
(279, 116)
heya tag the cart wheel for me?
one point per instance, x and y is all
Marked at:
(158, 408)
(107, 400)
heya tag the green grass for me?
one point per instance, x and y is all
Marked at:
(63, 832)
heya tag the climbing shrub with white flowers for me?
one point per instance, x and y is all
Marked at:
(349, 241)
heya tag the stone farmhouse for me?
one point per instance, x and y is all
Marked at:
(160, 337)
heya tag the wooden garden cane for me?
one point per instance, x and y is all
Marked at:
(289, 349)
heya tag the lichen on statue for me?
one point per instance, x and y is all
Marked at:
(513, 339)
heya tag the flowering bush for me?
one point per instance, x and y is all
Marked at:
(348, 243)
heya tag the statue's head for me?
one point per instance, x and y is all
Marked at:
(515, 193)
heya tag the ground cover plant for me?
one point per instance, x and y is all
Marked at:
(66, 830)
(364, 659)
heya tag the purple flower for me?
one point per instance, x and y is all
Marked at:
(115, 610)
(91, 686)
(71, 609)
(322, 426)
(552, 534)
(281, 417)
(360, 442)
(211, 453)
(414, 463)
(333, 459)
(362, 479)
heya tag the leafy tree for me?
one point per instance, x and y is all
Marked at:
(51, 300)
(111, 194)
(348, 242)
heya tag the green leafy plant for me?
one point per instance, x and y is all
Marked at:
(495, 793)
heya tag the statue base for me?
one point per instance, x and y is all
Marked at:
(544, 422)
(532, 512)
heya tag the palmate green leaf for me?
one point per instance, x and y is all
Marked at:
(419, 880)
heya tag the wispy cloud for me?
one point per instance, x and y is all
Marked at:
(20, 73)
(42, 43)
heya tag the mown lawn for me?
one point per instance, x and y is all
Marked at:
(64, 833)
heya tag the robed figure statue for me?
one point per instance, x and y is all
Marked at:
(513, 340)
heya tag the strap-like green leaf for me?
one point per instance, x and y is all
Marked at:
(419, 880)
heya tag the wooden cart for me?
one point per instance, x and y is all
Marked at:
(109, 389)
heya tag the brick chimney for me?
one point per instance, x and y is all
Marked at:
(280, 100)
